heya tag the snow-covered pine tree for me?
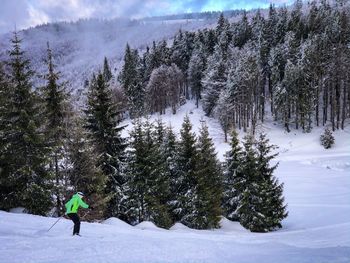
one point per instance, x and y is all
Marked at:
(274, 209)
(102, 124)
(223, 111)
(4, 118)
(148, 183)
(187, 161)
(85, 173)
(181, 51)
(169, 152)
(55, 98)
(196, 69)
(135, 177)
(132, 82)
(233, 180)
(242, 31)
(261, 204)
(327, 139)
(24, 160)
(296, 22)
(210, 40)
(159, 190)
(215, 75)
(250, 202)
(243, 85)
(209, 180)
(107, 73)
(281, 26)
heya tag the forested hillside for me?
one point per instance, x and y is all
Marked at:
(291, 64)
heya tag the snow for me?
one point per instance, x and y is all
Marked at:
(19, 210)
(116, 222)
(179, 227)
(317, 190)
(148, 225)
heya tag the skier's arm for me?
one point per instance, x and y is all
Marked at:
(83, 204)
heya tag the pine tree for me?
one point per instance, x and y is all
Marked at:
(169, 152)
(135, 175)
(24, 173)
(250, 210)
(223, 112)
(208, 206)
(85, 174)
(274, 209)
(196, 70)
(261, 207)
(242, 31)
(131, 80)
(327, 139)
(159, 190)
(55, 97)
(222, 25)
(233, 178)
(186, 181)
(107, 73)
(215, 75)
(102, 124)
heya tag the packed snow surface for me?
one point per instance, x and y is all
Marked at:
(317, 190)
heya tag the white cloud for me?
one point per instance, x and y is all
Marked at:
(36, 16)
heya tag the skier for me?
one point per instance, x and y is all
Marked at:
(72, 207)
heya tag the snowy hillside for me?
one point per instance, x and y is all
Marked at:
(79, 48)
(317, 229)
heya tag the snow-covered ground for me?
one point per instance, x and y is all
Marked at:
(317, 190)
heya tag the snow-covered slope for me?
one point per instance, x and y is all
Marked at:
(317, 190)
(79, 48)
(317, 230)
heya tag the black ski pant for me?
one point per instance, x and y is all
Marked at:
(75, 218)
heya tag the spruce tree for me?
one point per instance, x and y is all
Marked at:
(135, 175)
(55, 97)
(209, 178)
(250, 203)
(261, 207)
(273, 205)
(85, 173)
(24, 173)
(195, 71)
(233, 178)
(187, 183)
(107, 73)
(215, 77)
(102, 124)
(131, 79)
(327, 139)
(159, 189)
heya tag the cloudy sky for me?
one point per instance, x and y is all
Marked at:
(26, 13)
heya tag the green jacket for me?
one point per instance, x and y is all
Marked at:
(73, 204)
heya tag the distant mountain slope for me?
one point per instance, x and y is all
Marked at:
(79, 48)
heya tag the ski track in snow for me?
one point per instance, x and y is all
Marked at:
(317, 190)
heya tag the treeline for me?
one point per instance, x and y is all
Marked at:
(49, 151)
(291, 63)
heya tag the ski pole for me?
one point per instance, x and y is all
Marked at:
(55, 223)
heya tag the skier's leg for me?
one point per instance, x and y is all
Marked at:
(75, 218)
(78, 225)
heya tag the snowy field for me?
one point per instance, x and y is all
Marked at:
(317, 190)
